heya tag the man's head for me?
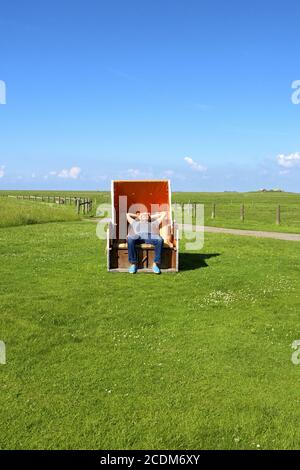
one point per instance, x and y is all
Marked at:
(144, 217)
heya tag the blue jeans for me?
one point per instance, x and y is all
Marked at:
(154, 240)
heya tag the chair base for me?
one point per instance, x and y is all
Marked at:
(142, 270)
(118, 260)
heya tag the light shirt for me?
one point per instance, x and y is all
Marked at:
(144, 230)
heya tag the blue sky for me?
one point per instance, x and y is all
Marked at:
(196, 91)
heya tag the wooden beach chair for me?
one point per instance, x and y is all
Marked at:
(144, 196)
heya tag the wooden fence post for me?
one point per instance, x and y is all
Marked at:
(278, 215)
(78, 205)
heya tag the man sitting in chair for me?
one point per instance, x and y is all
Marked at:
(144, 228)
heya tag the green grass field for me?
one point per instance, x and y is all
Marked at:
(260, 208)
(15, 212)
(194, 360)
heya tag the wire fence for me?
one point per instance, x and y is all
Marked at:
(248, 214)
(82, 205)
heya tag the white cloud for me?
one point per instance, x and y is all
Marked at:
(194, 165)
(136, 173)
(2, 172)
(71, 173)
(289, 161)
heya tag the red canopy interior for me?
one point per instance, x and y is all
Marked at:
(142, 193)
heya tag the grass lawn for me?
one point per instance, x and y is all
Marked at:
(15, 212)
(260, 208)
(199, 359)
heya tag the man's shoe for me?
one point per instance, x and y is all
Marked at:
(155, 269)
(132, 269)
